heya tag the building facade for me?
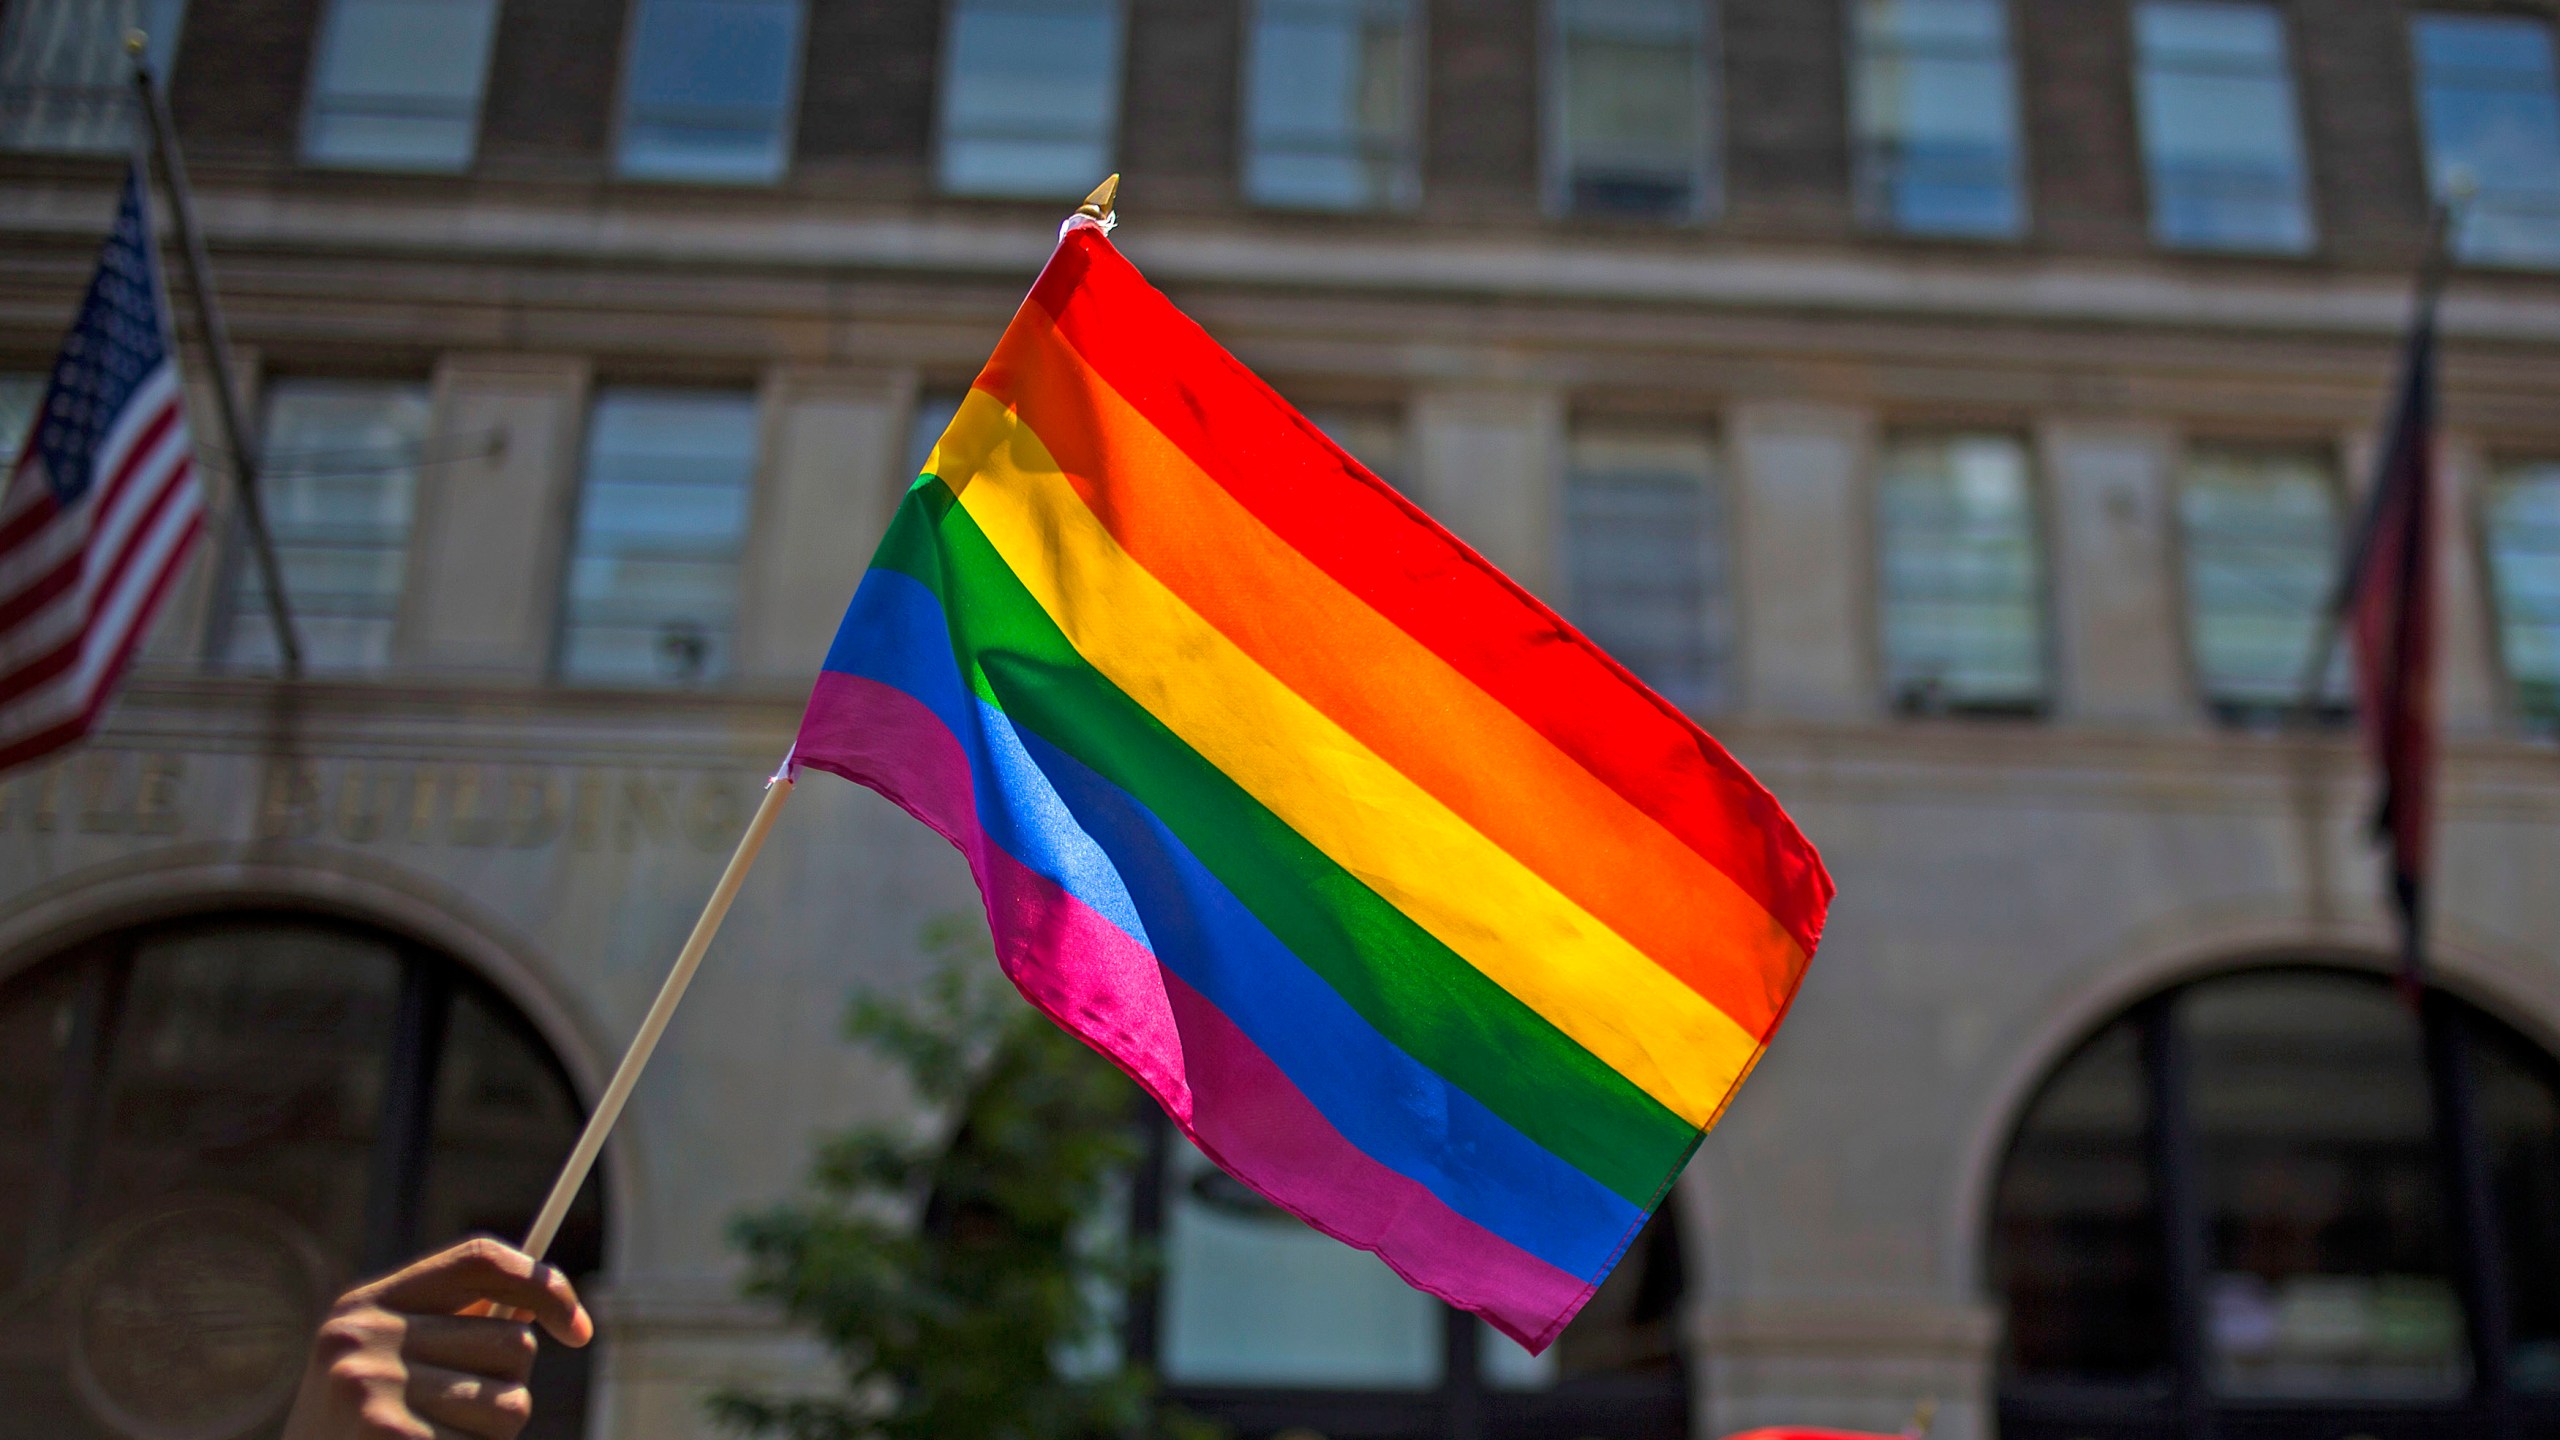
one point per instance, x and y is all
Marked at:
(1956, 404)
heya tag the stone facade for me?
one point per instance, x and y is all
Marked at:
(2004, 885)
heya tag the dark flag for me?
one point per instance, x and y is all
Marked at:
(2388, 602)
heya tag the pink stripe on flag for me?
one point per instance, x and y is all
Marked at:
(1118, 998)
(1112, 996)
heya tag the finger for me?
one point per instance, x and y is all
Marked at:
(485, 1269)
(500, 1348)
(483, 1406)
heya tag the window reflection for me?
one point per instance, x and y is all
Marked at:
(396, 85)
(1962, 574)
(707, 95)
(2258, 1157)
(2327, 1260)
(662, 515)
(1644, 557)
(2077, 1252)
(1627, 107)
(2523, 534)
(1030, 97)
(1252, 1296)
(2261, 532)
(64, 81)
(208, 1128)
(20, 393)
(2219, 132)
(340, 483)
(2489, 100)
(1935, 117)
(1330, 104)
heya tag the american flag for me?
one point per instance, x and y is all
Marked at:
(102, 506)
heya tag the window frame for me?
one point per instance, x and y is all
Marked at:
(1465, 1403)
(2182, 1403)
(311, 101)
(2498, 471)
(760, 402)
(2040, 594)
(1405, 193)
(163, 51)
(2437, 185)
(947, 56)
(2306, 174)
(2335, 706)
(430, 982)
(1720, 623)
(1870, 184)
(787, 109)
(1555, 170)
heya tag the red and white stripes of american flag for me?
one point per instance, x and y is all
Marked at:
(101, 508)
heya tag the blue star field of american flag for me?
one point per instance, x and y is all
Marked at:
(102, 506)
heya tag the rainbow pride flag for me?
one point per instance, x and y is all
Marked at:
(1414, 910)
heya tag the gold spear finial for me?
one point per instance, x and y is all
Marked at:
(1105, 196)
(135, 42)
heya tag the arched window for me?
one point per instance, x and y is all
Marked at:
(208, 1128)
(2280, 1204)
(1261, 1323)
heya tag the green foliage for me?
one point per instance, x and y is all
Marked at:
(954, 1273)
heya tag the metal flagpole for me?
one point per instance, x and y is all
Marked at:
(217, 344)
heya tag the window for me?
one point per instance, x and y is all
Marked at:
(1030, 97)
(2490, 105)
(1337, 1344)
(1935, 117)
(397, 84)
(340, 482)
(65, 83)
(662, 515)
(2262, 551)
(708, 94)
(2523, 505)
(212, 1124)
(1332, 91)
(934, 411)
(2220, 136)
(1627, 128)
(2241, 1191)
(1644, 558)
(1962, 581)
(20, 393)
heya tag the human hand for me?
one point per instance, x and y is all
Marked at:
(395, 1360)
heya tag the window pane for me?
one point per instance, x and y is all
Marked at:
(2219, 131)
(1030, 97)
(1936, 117)
(340, 483)
(2523, 512)
(1329, 104)
(2519, 1098)
(934, 409)
(1963, 581)
(2491, 110)
(2326, 1229)
(397, 86)
(1629, 107)
(20, 393)
(1322, 1313)
(1644, 559)
(2076, 1224)
(2261, 531)
(709, 90)
(64, 80)
(662, 516)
